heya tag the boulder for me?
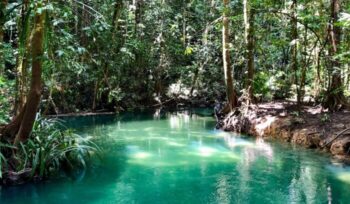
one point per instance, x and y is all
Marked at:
(341, 146)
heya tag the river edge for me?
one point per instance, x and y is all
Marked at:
(310, 127)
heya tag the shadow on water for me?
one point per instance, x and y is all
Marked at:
(82, 121)
(88, 190)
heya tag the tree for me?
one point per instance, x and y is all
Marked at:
(250, 46)
(20, 128)
(3, 4)
(335, 95)
(23, 58)
(230, 90)
(294, 48)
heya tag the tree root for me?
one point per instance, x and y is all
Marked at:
(336, 137)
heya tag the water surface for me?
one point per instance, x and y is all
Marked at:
(179, 158)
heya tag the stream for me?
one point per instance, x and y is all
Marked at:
(178, 157)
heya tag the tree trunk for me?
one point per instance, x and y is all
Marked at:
(22, 125)
(95, 96)
(294, 49)
(250, 44)
(335, 97)
(301, 94)
(116, 15)
(22, 60)
(138, 15)
(230, 91)
(184, 19)
(3, 4)
(318, 82)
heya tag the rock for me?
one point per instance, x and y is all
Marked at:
(285, 135)
(17, 178)
(302, 137)
(341, 146)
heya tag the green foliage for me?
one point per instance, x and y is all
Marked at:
(261, 85)
(295, 113)
(3, 160)
(51, 148)
(6, 98)
(97, 53)
(325, 118)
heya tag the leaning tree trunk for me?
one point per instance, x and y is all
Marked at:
(250, 44)
(20, 128)
(230, 91)
(335, 98)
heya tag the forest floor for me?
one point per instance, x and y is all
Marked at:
(309, 126)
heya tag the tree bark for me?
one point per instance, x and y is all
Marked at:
(335, 99)
(294, 49)
(230, 91)
(34, 94)
(301, 94)
(3, 4)
(138, 15)
(21, 127)
(22, 60)
(116, 15)
(250, 46)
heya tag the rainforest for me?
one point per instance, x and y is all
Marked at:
(174, 101)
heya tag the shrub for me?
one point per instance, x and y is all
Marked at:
(52, 148)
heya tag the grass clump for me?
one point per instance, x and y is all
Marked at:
(52, 149)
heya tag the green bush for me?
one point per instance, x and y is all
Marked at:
(51, 148)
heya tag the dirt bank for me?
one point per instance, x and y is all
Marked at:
(311, 127)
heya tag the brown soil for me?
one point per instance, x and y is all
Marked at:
(311, 127)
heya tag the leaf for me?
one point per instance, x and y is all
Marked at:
(60, 53)
(188, 50)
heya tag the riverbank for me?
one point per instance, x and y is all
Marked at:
(311, 127)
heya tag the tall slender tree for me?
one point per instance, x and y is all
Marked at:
(22, 59)
(250, 45)
(3, 5)
(335, 97)
(230, 90)
(294, 48)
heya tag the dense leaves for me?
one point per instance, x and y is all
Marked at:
(114, 55)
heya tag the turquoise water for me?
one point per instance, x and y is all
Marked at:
(179, 158)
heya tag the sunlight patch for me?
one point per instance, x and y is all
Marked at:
(344, 176)
(175, 144)
(206, 151)
(148, 129)
(141, 155)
